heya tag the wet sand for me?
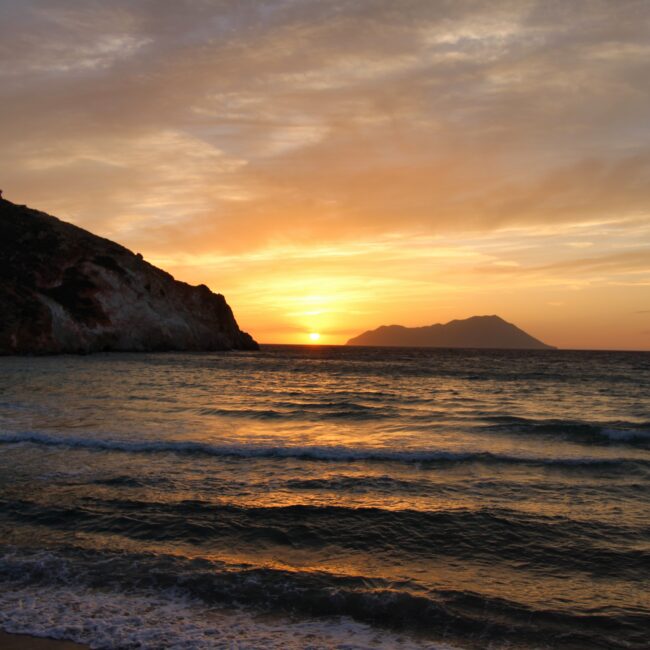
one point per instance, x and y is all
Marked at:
(26, 642)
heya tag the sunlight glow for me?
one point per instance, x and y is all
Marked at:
(314, 336)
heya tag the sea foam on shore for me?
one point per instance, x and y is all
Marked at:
(104, 619)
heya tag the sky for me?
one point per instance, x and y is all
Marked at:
(334, 166)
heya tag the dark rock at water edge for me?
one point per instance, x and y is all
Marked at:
(475, 332)
(65, 290)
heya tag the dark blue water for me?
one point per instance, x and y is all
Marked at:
(327, 498)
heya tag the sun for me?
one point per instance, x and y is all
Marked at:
(314, 336)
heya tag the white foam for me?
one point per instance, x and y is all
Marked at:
(110, 621)
(625, 434)
(316, 452)
(310, 452)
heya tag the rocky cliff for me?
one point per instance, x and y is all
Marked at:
(475, 332)
(63, 289)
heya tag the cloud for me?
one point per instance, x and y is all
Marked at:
(336, 118)
(415, 148)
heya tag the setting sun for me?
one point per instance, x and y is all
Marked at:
(378, 276)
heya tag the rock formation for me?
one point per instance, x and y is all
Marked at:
(475, 332)
(63, 289)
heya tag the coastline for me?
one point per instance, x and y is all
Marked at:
(27, 642)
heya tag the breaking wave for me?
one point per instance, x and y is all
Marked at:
(310, 452)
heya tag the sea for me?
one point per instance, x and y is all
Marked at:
(327, 497)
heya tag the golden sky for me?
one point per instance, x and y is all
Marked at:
(332, 166)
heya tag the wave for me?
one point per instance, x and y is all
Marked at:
(362, 484)
(178, 589)
(301, 410)
(587, 432)
(627, 435)
(429, 413)
(149, 621)
(132, 481)
(411, 535)
(313, 452)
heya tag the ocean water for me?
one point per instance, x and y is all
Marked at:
(327, 497)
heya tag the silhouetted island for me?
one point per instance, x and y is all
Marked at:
(63, 289)
(474, 332)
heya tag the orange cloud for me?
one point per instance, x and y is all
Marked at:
(420, 162)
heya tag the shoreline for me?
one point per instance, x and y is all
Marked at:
(10, 641)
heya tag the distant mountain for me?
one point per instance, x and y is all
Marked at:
(474, 332)
(63, 289)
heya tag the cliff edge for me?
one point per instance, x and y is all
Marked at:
(65, 290)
